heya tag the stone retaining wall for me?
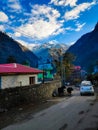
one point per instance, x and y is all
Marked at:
(28, 94)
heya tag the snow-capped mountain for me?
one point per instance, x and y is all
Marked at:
(40, 47)
(43, 51)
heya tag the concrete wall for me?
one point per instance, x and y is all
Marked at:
(28, 94)
(16, 80)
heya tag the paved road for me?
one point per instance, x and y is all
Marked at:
(75, 113)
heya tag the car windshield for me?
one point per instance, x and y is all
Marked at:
(86, 83)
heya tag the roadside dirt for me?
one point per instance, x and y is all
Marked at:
(25, 112)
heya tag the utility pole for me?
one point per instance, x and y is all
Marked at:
(59, 55)
(43, 74)
(62, 67)
(62, 72)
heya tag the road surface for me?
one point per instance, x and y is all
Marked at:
(75, 113)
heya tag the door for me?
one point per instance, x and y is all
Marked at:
(32, 80)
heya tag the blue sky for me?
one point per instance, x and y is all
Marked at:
(41, 21)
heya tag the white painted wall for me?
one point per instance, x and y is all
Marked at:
(16, 80)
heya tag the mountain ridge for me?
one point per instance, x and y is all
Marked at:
(10, 47)
(44, 50)
(86, 49)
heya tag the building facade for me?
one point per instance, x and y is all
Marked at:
(13, 75)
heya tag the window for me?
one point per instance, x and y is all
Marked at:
(32, 80)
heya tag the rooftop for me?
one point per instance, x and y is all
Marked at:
(14, 68)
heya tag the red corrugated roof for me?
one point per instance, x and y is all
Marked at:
(13, 68)
(77, 67)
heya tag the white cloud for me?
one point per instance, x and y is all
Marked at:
(3, 17)
(22, 42)
(12, 17)
(53, 42)
(40, 29)
(71, 3)
(75, 13)
(71, 43)
(2, 28)
(60, 30)
(69, 28)
(79, 26)
(29, 46)
(14, 4)
(44, 12)
(17, 34)
(43, 23)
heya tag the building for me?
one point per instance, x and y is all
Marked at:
(47, 71)
(76, 74)
(13, 75)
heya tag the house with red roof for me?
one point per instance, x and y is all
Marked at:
(13, 75)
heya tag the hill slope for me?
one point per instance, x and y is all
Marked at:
(9, 47)
(86, 49)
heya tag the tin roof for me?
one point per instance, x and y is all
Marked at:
(14, 68)
(45, 66)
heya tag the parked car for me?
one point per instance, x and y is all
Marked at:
(86, 87)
